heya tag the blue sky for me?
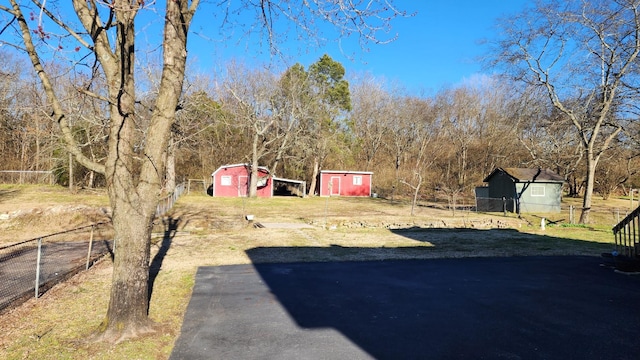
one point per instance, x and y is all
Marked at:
(436, 48)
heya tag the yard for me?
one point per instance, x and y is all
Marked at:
(202, 230)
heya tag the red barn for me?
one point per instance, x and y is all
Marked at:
(233, 181)
(345, 183)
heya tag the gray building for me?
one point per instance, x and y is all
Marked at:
(521, 190)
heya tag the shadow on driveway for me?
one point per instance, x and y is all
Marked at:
(472, 308)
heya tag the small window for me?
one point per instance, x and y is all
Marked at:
(225, 180)
(537, 190)
(357, 180)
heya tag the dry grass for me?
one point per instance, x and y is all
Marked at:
(213, 231)
(30, 211)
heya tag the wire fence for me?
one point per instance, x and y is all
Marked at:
(602, 213)
(26, 177)
(512, 205)
(31, 267)
(563, 213)
(165, 204)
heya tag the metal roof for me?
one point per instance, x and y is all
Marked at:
(346, 172)
(246, 165)
(528, 175)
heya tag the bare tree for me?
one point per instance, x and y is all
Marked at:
(203, 135)
(496, 143)
(617, 168)
(550, 142)
(424, 132)
(371, 117)
(102, 38)
(462, 116)
(295, 107)
(252, 96)
(400, 137)
(584, 55)
(22, 117)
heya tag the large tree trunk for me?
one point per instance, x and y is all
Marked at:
(134, 201)
(127, 315)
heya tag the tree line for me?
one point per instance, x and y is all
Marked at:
(305, 119)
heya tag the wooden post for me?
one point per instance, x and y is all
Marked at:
(570, 214)
(90, 248)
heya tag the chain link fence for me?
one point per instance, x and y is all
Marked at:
(562, 213)
(31, 267)
(26, 177)
(165, 204)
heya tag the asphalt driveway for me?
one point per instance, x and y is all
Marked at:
(472, 308)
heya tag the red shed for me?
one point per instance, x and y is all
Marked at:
(345, 183)
(233, 181)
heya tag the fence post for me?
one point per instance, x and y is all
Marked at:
(571, 214)
(39, 256)
(90, 247)
(504, 206)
